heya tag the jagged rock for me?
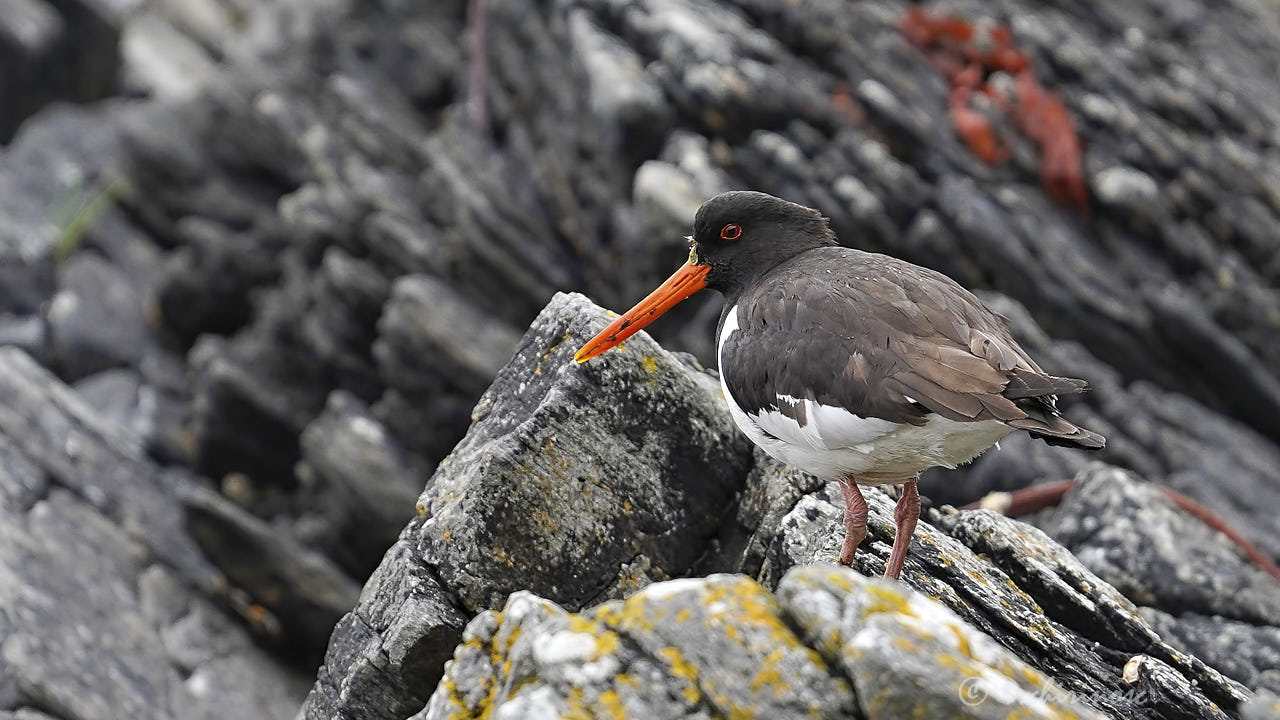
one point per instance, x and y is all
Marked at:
(52, 51)
(295, 591)
(362, 488)
(714, 647)
(568, 488)
(387, 651)
(146, 409)
(95, 319)
(556, 491)
(277, 198)
(112, 605)
(1015, 584)
(908, 656)
(1005, 578)
(100, 463)
(1138, 541)
(723, 646)
(425, 318)
(50, 175)
(1243, 651)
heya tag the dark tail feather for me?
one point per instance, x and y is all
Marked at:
(1055, 430)
(1026, 384)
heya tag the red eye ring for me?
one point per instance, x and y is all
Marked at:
(731, 232)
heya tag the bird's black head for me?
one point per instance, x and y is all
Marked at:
(741, 235)
(737, 237)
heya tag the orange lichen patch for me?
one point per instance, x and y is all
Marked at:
(681, 668)
(882, 599)
(967, 54)
(607, 641)
(768, 676)
(612, 703)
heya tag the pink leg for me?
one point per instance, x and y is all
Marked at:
(855, 519)
(905, 515)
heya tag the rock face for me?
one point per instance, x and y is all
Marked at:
(109, 608)
(551, 491)
(1086, 644)
(722, 646)
(284, 265)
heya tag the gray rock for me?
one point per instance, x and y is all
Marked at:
(100, 463)
(1264, 705)
(290, 591)
(1129, 191)
(554, 491)
(1016, 585)
(388, 650)
(110, 610)
(329, 155)
(53, 177)
(722, 645)
(1243, 651)
(419, 346)
(52, 51)
(25, 332)
(1134, 538)
(95, 319)
(124, 397)
(359, 482)
(585, 487)
(907, 655)
(714, 647)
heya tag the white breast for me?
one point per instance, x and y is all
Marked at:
(835, 443)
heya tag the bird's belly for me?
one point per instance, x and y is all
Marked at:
(896, 455)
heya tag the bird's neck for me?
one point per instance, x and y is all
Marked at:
(732, 285)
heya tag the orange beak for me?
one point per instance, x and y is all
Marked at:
(684, 282)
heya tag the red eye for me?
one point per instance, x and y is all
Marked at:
(731, 232)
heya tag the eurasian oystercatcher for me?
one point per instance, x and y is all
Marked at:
(852, 366)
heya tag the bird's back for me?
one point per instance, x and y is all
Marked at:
(884, 339)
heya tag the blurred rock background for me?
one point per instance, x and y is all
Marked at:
(259, 260)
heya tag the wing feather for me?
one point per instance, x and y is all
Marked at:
(881, 339)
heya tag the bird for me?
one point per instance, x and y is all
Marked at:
(853, 366)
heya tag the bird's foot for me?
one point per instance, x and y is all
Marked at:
(905, 514)
(855, 520)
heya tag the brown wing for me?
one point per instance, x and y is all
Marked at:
(883, 338)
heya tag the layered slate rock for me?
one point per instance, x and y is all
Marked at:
(1018, 586)
(1007, 579)
(551, 490)
(289, 186)
(722, 646)
(110, 610)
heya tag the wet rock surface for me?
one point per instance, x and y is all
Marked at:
(281, 268)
